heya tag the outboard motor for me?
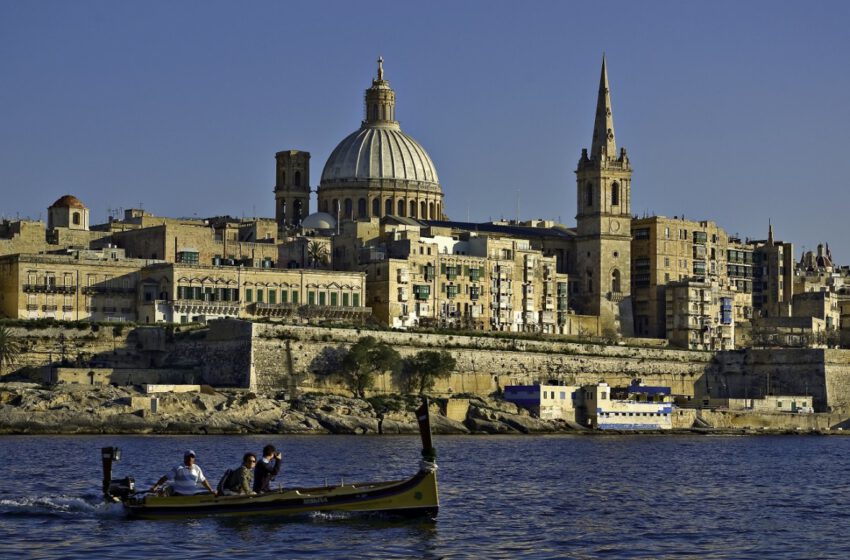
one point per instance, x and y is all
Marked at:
(114, 490)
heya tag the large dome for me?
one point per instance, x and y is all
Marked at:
(378, 170)
(383, 152)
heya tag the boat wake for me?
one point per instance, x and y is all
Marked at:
(62, 506)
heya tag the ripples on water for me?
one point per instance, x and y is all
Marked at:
(501, 497)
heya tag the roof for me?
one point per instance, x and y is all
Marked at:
(379, 152)
(68, 201)
(508, 230)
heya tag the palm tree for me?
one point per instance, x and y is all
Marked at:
(10, 347)
(317, 252)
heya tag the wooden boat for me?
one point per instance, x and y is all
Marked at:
(415, 496)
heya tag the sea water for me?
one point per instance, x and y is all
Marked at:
(567, 496)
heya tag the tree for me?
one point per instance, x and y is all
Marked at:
(10, 347)
(317, 252)
(423, 369)
(366, 358)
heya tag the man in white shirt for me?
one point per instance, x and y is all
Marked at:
(186, 479)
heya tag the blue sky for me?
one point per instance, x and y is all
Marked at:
(735, 112)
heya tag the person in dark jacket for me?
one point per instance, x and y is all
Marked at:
(267, 468)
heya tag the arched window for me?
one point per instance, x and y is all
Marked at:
(349, 209)
(335, 209)
(376, 207)
(423, 210)
(361, 208)
(412, 209)
(401, 207)
(374, 112)
(388, 207)
(615, 281)
(75, 218)
(588, 194)
(439, 212)
(431, 213)
(297, 178)
(615, 194)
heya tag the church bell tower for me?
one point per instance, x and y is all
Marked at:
(292, 188)
(603, 242)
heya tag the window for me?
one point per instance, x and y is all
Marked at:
(388, 207)
(187, 257)
(297, 178)
(376, 208)
(355, 300)
(642, 233)
(249, 295)
(334, 300)
(295, 297)
(588, 194)
(615, 194)
(273, 297)
(361, 208)
(75, 218)
(321, 298)
(345, 300)
(260, 295)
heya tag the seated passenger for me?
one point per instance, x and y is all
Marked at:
(186, 479)
(241, 479)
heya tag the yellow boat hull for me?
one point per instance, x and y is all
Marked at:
(416, 496)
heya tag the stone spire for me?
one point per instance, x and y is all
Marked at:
(603, 128)
(380, 101)
(769, 232)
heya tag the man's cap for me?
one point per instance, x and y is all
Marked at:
(189, 453)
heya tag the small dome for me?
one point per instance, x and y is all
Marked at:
(380, 152)
(68, 201)
(319, 220)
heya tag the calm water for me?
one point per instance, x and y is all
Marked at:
(502, 497)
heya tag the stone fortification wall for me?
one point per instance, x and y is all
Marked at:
(823, 374)
(221, 355)
(735, 419)
(285, 356)
(43, 346)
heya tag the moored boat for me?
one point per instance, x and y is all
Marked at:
(415, 496)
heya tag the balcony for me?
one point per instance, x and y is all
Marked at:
(616, 297)
(50, 289)
(95, 290)
(67, 308)
(48, 308)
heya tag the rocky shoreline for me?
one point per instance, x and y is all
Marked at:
(65, 409)
(27, 408)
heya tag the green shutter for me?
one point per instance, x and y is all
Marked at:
(333, 299)
(356, 300)
(345, 300)
(295, 297)
(249, 295)
(321, 298)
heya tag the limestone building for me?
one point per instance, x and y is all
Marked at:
(378, 170)
(81, 285)
(181, 293)
(699, 315)
(667, 250)
(430, 276)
